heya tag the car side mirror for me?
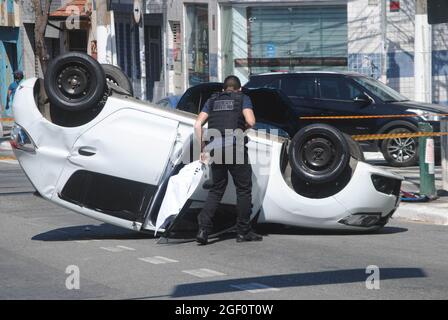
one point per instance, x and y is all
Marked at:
(363, 100)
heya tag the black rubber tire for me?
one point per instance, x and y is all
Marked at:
(319, 153)
(355, 149)
(115, 75)
(88, 82)
(385, 144)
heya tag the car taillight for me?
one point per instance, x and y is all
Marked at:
(21, 140)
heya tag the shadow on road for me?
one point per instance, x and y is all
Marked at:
(91, 232)
(267, 229)
(109, 232)
(291, 280)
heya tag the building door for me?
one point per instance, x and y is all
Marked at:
(197, 43)
(153, 57)
(77, 40)
(9, 62)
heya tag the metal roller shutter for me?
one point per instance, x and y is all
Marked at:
(294, 38)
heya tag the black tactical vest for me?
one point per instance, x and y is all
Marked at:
(226, 111)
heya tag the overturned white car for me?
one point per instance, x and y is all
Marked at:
(106, 155)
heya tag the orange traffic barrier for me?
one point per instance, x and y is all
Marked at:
(369, 117)
(364, 137)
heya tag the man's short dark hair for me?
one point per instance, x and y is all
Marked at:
(18, 75)
(232, 82)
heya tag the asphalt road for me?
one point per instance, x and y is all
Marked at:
(39, 240)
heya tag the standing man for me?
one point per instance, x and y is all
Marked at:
(229, 114)
(18, 77)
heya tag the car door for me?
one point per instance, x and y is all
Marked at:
(194, 98)
(301, 91)
(115, 167)
(336, 97)
(273, 110)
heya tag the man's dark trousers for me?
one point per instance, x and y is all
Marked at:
(242, 177)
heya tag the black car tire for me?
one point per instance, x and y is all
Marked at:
(355, 148)
(390, 148)
(318, 153)
(116, 76)
(74, 81)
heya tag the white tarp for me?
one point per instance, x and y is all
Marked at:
(179, 190)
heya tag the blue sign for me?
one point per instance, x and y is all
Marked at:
(271, 50)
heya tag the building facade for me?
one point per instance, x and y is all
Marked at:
(209, 39)
(139, 47)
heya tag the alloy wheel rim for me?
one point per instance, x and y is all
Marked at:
(402, 149)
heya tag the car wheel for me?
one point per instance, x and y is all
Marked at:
(116, 76)
(318, 153)
(75, 81)
(400, 152)
(355, 149)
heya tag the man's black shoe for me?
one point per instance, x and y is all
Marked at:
(202, 236)
(250, 236)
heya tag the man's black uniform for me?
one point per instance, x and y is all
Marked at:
(225, 111)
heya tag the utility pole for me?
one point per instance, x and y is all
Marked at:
(142, 50)
(383, 16)
(102, 34)
(422, 53)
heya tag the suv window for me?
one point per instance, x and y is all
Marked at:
(335, 88)
(299, 87)
(256, 82)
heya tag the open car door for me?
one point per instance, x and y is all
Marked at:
(114, 168)
(273, 111)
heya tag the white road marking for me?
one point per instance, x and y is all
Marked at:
(204, 273)
(82, 241)
(126, 248)
(158, 260)
(87, 241)
(117, 248)
(254, 287)
(9, 161)
(111, 249)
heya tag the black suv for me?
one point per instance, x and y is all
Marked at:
(331, 94)
(280, 99)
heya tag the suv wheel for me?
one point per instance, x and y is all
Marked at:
(400, 152)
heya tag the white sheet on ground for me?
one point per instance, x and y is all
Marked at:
(180, 188)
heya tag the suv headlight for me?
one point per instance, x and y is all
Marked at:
(425, 115)
(20, 139)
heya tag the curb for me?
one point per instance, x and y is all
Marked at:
(436, 213)
(5, 146)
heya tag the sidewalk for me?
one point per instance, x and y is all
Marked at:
(432, 212)
(5, 129)
(5, 148)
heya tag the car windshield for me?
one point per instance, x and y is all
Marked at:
(382, 91)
